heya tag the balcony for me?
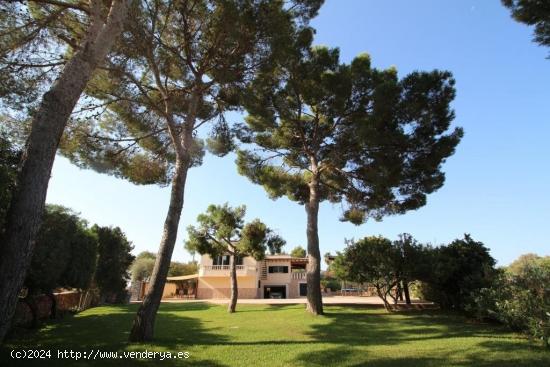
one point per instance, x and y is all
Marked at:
(223, 270)
(299, 275)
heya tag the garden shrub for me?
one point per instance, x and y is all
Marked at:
(519, 298)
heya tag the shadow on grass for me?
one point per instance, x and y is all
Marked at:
(351, 357)
(354, 328)
(107, 329)
(351, 331)
(344, 336)
(261, 308)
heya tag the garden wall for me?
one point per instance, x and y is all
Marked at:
(65, 301)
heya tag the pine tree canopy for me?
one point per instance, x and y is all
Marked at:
(179, 65)
(535, 13)
(222, 230)
(371, 140)
(37, 38)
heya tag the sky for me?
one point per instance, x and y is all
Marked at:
(497, 182)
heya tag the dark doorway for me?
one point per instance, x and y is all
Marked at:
(303, 289)
(274, 291)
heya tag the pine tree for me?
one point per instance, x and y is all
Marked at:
(181, 65)
(321, 130)
(102, 25)
(222, 230)
(535, 13)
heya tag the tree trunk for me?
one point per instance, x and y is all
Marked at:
(234, 288)
(314, 297)
(144, 322)
(27, 204)
(53, 309)
(406, 291)
(30, 301)
(388, 293)
(399, 292)
(383, 298)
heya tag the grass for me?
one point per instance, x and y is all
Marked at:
(284, 336)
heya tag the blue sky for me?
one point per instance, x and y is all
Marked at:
(497, 182)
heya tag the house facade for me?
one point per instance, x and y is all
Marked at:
(277, 276)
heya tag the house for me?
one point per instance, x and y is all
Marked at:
(277, 276)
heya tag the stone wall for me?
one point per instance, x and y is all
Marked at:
(65, 301)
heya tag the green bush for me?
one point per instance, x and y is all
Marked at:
(113, 261)
(65, 252)
(331, 283)
(456, 271)
(519, 298)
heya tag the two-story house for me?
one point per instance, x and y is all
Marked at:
(277, 276)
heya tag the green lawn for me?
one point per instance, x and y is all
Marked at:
(286, 336)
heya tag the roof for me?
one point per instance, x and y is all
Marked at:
(283, 256)
(280, 256)
(183, 277)
(293, 260)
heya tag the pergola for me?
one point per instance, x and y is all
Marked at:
(186, 285)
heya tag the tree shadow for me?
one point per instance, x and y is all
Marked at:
(355, 332)
(343, 336)
(376, 328)
(107, 329)
(333, 357)
(353, 357)
(263, 308)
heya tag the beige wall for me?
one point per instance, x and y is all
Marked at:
(225, 293)
(168, 291)
(278, 278)
(294, 291)
(249, 261)
(220, 287)
(207, 260)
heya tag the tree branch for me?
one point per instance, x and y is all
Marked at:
(105, 138)
(63, 4)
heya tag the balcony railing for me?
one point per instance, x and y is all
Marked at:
(223, 270)
(221, 267)
(299, 275)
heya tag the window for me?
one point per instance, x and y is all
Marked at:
(303, 289)
(278, 269)
(221, 260)
(225, 260)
